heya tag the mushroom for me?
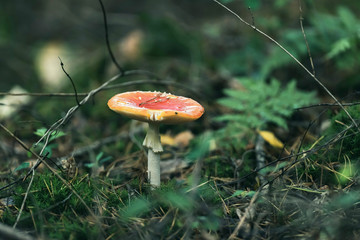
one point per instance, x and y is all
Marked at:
(155, 108)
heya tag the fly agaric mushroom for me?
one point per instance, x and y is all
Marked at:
(155, 108)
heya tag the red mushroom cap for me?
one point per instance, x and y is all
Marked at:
(156, 107)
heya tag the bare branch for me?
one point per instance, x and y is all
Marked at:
(306, 42)
(72, 82)
(328, 105)
(109, 87)
(107, 39)
(24, 200)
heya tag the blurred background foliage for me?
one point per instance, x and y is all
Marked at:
(177, 34)
(245, 82)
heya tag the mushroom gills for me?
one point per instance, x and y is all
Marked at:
(155, 115)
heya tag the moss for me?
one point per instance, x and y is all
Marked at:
(51, 211)
(46, 202)
(218, 167)
(69, 229)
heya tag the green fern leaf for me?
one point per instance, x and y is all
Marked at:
(339, 47)
(260, 103)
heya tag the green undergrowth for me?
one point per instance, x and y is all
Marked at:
(191, 207)
(118, 209)
(337, 161)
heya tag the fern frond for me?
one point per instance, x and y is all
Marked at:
(262, 103)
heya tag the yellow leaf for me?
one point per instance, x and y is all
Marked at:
(183, 139)
(271, 139)
(167, 140)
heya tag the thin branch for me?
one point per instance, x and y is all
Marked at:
(42, 94)
(252, 16)
(247, 212)
(327, 105)
(292, 56)
(24, 200)
(107, 39)
(306, 42)
(72, 82)
(109, 87)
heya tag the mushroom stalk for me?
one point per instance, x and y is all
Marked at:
(154, 168)
(153, 143)
(152, 139)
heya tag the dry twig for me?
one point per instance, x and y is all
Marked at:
(305, 39)
(24, 200)
(246, 214)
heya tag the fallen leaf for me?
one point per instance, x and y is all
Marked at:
(270, 138)
(183, 139)
(167, 140)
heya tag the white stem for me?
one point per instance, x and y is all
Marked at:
(154, 168)
(153, 143)
(152, 139)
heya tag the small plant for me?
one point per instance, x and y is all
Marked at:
(261, 103)
(257, 104)
(99, 161)
(49, 147)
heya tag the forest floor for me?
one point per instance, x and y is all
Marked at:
(272, 157)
